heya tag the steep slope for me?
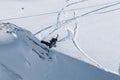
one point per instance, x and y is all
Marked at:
(23, 57)
(98, 32)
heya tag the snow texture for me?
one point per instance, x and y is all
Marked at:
(88, 45)
(27, 59)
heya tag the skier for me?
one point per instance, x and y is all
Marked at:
(52, 42)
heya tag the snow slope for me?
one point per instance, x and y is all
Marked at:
(23, 57)
(97, 33)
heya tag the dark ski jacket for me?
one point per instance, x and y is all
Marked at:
(52, 42)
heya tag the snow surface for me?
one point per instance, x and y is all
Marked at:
(95, 41)
(25, 58)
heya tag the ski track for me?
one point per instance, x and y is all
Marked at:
(72, 19)
(59, 25)
(108, 11)
(59, 14)
(56, 12)
(11, 73)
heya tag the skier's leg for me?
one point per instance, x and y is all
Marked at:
(46, 43)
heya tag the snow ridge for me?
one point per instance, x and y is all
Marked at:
(42, 63)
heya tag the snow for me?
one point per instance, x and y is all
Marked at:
(6, 38)
(27, 59)
(89, 32)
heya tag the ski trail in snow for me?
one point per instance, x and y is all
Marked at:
(69, 19)
(76, 26)
(80, 49)
(108, 11)
(98, 5)
(43, 30)
(59, 14)
(11, 73)
(85, 14)
(72, 35)
(87, 56)
(44, 48)
(56, 12)
(37, 15)
(73, 3)
(58, 17)
(64, 22)
(100, 9)
(40, 56)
